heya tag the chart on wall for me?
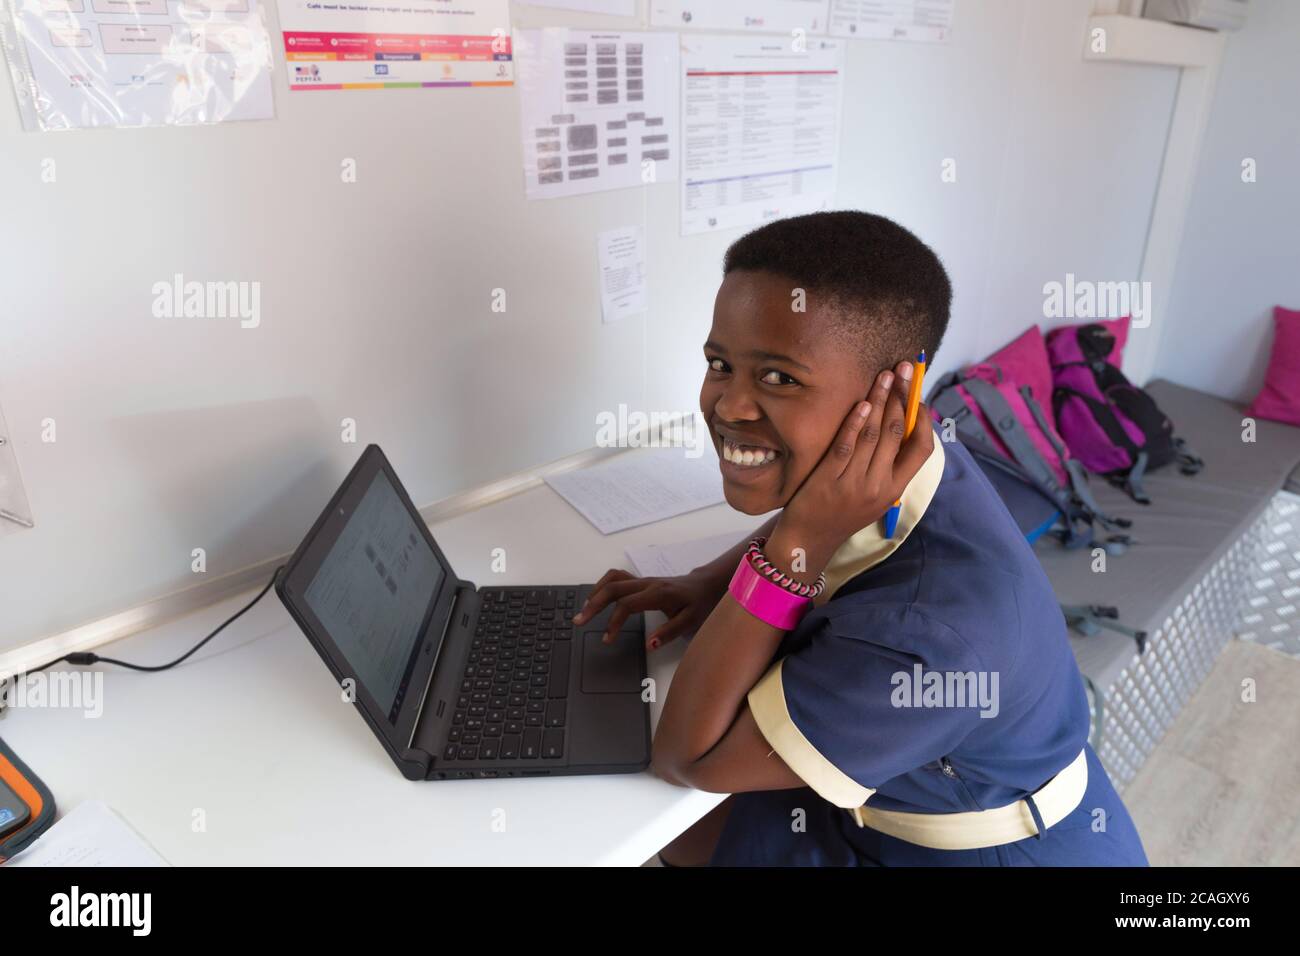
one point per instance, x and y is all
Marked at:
(84, 63)
(617, 8)
(770, 16)
(598, 110)
(381, 44)
(760, 129)
(924, 21)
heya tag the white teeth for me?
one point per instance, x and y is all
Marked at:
(746, 455)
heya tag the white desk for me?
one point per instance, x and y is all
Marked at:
(253, 732)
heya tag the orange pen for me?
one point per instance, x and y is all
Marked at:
(913, 406)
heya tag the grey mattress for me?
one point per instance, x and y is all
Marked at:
(1188, 526)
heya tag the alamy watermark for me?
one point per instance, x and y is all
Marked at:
(630, 429)
(947, 689)
(179, 299)
(131, 911)
(1083, 299)
(54, 690)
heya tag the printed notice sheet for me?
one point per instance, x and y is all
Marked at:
(770, 16)
(622, 272)
(641, 486)
(760, 129)
(599, 110)
(382, 44)
(925, 21)
(83, 63)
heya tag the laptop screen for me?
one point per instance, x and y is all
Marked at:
(374, 590)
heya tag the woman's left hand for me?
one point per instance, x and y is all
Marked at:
(862, 473)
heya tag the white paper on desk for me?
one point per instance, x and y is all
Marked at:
(682, 557)
(598, 109)
(621, 254)
(91, 834)
(760, 129)
(645, 485)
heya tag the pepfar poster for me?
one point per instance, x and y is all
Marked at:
(381, 44)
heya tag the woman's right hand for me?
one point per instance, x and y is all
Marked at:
(687, 599)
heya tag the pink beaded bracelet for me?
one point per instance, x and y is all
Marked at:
(774, 574)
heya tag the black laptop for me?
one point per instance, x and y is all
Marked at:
(459, 681)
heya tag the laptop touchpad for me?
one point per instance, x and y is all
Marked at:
(611, 668)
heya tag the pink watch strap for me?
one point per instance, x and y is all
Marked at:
(767, 601)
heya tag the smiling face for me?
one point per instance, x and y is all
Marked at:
(778, 386)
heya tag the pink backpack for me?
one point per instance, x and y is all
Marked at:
(1113, 427)
(995, 408)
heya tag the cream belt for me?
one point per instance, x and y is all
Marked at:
(1055, 800)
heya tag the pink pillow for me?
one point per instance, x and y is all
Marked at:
(1024, 362)
(1020, 363)
(1279, 399)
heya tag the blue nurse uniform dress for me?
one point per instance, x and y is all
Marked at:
(957, 590)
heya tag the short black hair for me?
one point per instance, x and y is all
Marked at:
(888, 287)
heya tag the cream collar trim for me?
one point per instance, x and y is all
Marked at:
(868, 547)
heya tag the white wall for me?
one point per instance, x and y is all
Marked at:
(1240, 254)
(1057, 162)
(177, 435)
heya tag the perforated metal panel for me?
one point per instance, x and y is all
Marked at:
(1149, 693)
(1272, 612)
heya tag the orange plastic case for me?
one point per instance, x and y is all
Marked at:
(32, 792)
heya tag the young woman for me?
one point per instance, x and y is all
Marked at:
(924, 706)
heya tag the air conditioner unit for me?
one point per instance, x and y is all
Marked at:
(1210, 14)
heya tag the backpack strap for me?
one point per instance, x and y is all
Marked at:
(1070, 525)
(1076, 530)
(1078, 477)
(1095, 343)
(1072, 503)
(945, 400)
(1098, 713)
(1104, 415)
(1189, 463)
(1012, 433)
(1090, 619)
(1133, 480)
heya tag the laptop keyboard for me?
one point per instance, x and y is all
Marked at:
(513, 695)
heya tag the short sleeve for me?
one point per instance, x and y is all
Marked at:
(870, 696)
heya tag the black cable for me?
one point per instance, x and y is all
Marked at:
(80, 658)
